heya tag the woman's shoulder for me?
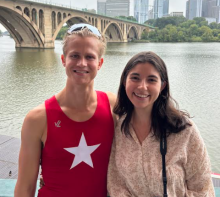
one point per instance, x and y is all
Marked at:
(190, 135)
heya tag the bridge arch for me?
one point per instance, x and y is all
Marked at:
(70, 20)
(113, 32)
(19, 8)
(20, 26)
(59, 18)
(27, 11)
(53, 17)
(41, 21)
(132, 33)
(34, 15)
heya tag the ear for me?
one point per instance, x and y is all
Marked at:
(163, 85)
(100, 63)
(63, 60)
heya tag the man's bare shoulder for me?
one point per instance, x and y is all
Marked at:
(112, 98)
(35, 121)
(37, 114)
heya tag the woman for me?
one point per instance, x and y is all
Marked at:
(75, 127)
(157, 150)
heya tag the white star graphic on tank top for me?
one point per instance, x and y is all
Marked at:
(82, 152)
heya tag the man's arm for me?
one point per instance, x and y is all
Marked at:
(33, 128)
(112, 101)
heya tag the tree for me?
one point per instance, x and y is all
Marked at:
(61, 33)
(131, 18)
(203, 23)
(150, 22)
(123, 17)
(207, 35)
(203, 29)
(0, 33)
(215, 32)
(181, 37)
(213, 25)
(187, 24)
(173, 20)
(193, 30)
(145, 34)
(198, 20)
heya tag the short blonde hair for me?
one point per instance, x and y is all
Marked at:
(85, 32)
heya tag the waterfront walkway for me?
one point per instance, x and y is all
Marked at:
(9, 150)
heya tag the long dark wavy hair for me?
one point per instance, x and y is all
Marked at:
(165, 116)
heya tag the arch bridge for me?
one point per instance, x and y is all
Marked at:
(36, 25)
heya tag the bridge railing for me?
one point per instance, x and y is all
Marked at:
(84, 10)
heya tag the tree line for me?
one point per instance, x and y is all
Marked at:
(179, 29)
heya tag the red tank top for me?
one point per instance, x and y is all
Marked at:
(76, 154)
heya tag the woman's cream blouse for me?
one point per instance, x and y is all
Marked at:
(136, 170)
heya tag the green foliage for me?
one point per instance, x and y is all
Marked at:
(203, 23)
(61, 33)
(213, 25)
(130, 18)
(145, 34)
(150, 22)
(164, 21)
(196, 39)
(178, 29)
(193, 30)
(198, 20)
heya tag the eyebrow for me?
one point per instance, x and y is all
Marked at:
(150, 76)
(136, 74)
(153, 76)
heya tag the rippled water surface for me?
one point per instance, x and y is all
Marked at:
(28, 77)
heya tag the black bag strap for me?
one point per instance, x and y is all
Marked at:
(163, 151)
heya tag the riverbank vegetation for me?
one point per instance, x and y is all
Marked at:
(179, 29)
(175, 29)
(61, 33)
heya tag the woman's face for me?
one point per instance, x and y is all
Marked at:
(143, 86)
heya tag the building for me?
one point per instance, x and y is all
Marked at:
(187, 9)
(117, 8)
(195, 8)
(101, 7)
(211, 10)
(210, 20)
(141, 10)
(176, 14)
(151, 14)
(165, 7)
(161, 8)
(158, 9)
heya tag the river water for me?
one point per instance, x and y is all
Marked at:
(28, 77)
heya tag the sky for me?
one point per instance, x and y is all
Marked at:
(175, 5)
